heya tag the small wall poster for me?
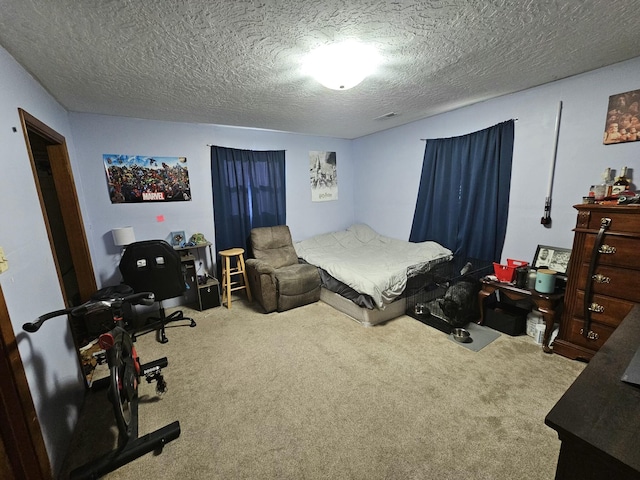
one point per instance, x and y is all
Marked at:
(623, 118)
(324, 176)
(136, 178)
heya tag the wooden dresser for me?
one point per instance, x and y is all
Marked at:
(604, 278)
(598, 417)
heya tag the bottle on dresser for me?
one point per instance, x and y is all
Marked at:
(621, 184)
(604, 189)
(608, 181)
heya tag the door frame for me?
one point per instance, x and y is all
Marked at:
(22, 448)
(21, 441)
(69, 204)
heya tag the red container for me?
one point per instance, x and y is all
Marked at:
(516, 263)
(505, 273)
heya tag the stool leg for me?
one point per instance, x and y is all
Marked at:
(227, 278)
(223, 281)
(244, 276)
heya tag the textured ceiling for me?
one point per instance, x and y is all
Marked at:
(239, 62)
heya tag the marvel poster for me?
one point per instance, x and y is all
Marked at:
(137, 178)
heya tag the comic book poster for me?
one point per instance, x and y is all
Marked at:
(324, 176)
(137, 178)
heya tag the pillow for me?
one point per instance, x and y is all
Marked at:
(363, 232)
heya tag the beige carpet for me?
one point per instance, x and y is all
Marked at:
(311, 394)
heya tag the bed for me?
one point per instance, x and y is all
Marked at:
(364, 274)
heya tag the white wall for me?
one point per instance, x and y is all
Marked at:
(30, 286)
(389, 163)
(96, 135)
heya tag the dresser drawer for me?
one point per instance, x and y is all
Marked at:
(624, 251)
(613, 309)
(621, 221)
(613, 282)
(598, 334)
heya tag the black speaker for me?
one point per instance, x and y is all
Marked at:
(209, 295)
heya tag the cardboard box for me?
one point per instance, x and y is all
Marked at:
(534, 318)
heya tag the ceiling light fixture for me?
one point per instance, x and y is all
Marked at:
(342, 66)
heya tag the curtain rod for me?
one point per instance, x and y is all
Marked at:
(425, 139)
(212, 145)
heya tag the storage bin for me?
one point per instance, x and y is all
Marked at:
(209, 295)
(505, 318)
(504, 273)
(516, 263)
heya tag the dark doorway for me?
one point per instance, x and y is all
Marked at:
(52, 210)
(60, 209)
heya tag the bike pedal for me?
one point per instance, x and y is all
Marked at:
(161, 385)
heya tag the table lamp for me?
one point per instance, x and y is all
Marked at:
(123, 236)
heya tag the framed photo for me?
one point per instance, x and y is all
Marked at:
(554, 258)
(178, 239)
(623, 118)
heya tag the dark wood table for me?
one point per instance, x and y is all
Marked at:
(598, 417)
(549, 304)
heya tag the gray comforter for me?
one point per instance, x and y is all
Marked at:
(368, 262)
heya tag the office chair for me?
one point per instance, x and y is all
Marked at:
(154, 266)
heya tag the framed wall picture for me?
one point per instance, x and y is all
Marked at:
(623, 118)
(554, 258)
(178, 238)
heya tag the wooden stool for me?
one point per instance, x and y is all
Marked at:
(227, 272)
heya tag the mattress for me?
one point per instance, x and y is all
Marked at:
(369, 264)
(366, 316)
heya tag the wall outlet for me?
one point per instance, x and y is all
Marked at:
(4, 263)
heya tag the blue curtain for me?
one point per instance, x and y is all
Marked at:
(248, 191)
(463, 198)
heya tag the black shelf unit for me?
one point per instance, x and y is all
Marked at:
(203, 289)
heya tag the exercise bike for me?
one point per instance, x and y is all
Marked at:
(125, 372)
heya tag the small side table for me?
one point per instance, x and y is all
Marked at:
(549, 304)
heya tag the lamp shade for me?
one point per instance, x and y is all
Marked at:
(123, 236)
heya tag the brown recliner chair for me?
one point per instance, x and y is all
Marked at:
(277, 280)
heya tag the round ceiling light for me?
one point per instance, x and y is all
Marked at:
(341, 66)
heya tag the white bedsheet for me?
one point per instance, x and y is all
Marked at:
(367, 261)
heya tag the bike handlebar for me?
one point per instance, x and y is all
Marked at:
(97, 305)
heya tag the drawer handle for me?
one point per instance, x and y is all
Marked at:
(607, 249)
(594, 307)
(591, 335)
(599, 278)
